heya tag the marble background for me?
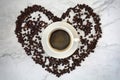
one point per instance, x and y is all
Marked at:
(103, 64)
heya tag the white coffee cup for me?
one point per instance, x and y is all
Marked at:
(74, 40)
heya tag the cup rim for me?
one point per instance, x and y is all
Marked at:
(68, 47)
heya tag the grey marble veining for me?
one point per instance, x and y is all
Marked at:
(104, 64)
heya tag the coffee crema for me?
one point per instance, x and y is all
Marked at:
(59, 39)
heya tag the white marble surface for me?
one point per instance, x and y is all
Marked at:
(104, 64)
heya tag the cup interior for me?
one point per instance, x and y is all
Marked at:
(60, 40)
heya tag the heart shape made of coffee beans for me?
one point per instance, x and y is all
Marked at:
(33, 20)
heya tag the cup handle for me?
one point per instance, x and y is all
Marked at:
(77, 40)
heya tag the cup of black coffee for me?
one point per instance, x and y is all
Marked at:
(60, 40)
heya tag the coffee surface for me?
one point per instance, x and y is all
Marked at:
(59, 39)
